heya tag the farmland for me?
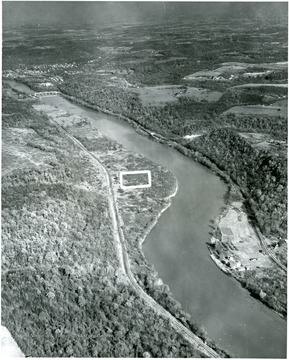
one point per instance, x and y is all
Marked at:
(256, 110)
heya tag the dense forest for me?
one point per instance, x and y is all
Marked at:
(261, 176)
(276, 126)
(84, 311)
(170, 120)
(268, 285)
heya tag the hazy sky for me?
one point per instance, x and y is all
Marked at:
(56, 12)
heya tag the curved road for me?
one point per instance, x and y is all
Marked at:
(124, 260)
(268, 251)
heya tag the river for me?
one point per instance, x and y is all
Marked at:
(238, 323)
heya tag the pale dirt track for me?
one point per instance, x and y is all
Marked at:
(268, 251)
(124, 260)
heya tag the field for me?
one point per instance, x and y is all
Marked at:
(202, 94)
(264, 142)
(230, 71)
(162, 95)
(158, 95)
(258, 110)
(240, 247)
(283, 102)
(135, 179)
(253, 85)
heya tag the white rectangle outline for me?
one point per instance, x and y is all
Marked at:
(122, 173)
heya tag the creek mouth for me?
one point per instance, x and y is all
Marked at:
(177, 248)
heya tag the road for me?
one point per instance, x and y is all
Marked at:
(124, 260)
(268, 251)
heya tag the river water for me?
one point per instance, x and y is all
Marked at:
(177, 247)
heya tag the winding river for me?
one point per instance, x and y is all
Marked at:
(177, 247)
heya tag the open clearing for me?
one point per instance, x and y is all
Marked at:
(160, 95)
(273, 66)
(282, 103)
(171, 59)
(22, 149)
(258, 110)
(210, 74)
(63, 118)
(239, 247)
(232, 68)
(198, 94)
(131, 179)
(260, 85)
(264, 142)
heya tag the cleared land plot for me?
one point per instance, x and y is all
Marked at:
(273, 66)
(171, 59)
(160, 95)
(18, 87)
(21, 149)
(282, 103)
(135, 179)
(203, 74)
(231, 69)
(234, 68)
(260, 85)
(198, 94)
(258, 110)
(264, 142)
(63, 118)
(256, 74)
(242, 246)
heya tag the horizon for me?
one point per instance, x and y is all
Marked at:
(45, 13)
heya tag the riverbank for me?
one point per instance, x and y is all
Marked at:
(236, 249)
(156, 137)
(149, 228)
(131, 203)
(233, 188)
